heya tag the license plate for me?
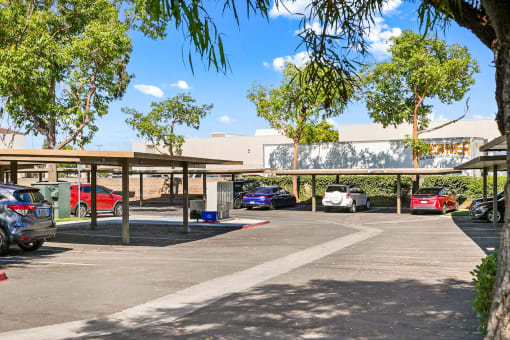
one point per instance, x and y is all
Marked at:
(423, 202)
(252, 202)
(43, 212)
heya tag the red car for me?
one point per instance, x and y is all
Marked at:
(107, 201)
(438, 199)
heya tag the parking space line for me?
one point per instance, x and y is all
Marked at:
(131, 237)
(23, 261)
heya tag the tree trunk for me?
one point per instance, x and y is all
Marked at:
(52, 167)
(294, 167)
(415, 135)
(499, 319)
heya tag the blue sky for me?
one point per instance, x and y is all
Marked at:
(255, 49)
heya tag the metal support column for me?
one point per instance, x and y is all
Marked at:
(93, 194)
(141, 189)
(40, 176)
(314, 199)
(337, 179)
(14, 172)
(125, 202)
(495, 195)
(233, 177)
(2, 175)
(484, 189)
(185, 198)
(89, 175)
(399, 206)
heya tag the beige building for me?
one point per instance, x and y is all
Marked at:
(250, 149)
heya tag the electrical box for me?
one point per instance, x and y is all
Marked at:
(219, 198)
(58, 194)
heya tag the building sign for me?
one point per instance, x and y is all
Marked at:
(443, 153)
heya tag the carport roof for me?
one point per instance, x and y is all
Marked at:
(107, 158)
(403, 171)
(497, 144)
(484, 162)
(158, 171)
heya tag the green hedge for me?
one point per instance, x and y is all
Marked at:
(483, 279)
(382, 189)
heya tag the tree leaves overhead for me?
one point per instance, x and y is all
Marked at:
(159, 125)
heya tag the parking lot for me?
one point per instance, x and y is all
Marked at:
(372, 274)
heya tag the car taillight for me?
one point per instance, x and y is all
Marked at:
(348, 195)
(22, 209)
(323, 194)
(263, 196)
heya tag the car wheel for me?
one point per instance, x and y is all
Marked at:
(4, 243)
(368, 204)
(413, 212)
(32, 246)
(271, 206)
(81, 211)
(490, 216)
(249, 208)
(327, 209)
(444, 210)
(238, 203)
(352, 208)
(117, 210)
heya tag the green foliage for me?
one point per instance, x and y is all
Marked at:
(457, 184)
(420, 68)
(61, 64)
(475, 187)
(158, 126)
(416, 144)
(483, 280)
(320, 133)
(295, 106)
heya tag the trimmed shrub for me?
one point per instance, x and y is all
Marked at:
(475, 188)
(484, 277)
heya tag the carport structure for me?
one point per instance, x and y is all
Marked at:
(354, 172)
(122, 159)
(488, 163)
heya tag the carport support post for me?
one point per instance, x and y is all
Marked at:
(185, 198)
(495, 194)
(314, 202)
(233, 177)
(93, 194)
(204, 186)
(337, 179)
(125, 202)
(40, 176)
(484, 191)
(398, 195)
(141, 189)
(14, 172)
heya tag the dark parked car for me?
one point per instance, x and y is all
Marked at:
(269, 197)
(438, 199)
(477, 201)
(242, 187)
(26, 218)
(485, 211)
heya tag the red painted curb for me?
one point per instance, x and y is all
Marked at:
(3, 277)
(246, 226)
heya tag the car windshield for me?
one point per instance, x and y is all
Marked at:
(262, 190)
(28, 196)
(428, 191)
(339, 188)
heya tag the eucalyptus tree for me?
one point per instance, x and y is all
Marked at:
(296, 108)
(420, 68)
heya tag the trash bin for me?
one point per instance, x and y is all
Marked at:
(58, 194)
(196, 207)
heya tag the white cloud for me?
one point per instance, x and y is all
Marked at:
(300, 59)
(150, 90)
(390, 7)
(331, 121)
(434, 118)
(378, 38)
(266, 64)
(225, 119)
(181, 84)
(289, 8)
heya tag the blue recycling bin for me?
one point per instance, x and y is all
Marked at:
(209, 216)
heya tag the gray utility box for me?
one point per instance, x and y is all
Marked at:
(58, 194)
(219, 198)
(196, 207)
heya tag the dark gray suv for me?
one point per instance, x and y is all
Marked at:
(25, 218)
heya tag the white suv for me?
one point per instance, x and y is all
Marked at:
(345, 196)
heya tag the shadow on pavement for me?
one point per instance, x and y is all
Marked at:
(481, 232)
(17, 258)
(325, 309)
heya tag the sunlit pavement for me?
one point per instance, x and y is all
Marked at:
(304, 275)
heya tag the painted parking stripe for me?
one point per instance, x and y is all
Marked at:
(131, 237)
(188, 300)
(45, 262)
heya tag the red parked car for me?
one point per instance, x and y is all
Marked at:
(107, 201)
(438, 199)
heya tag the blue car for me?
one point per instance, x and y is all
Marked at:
(268, 197)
